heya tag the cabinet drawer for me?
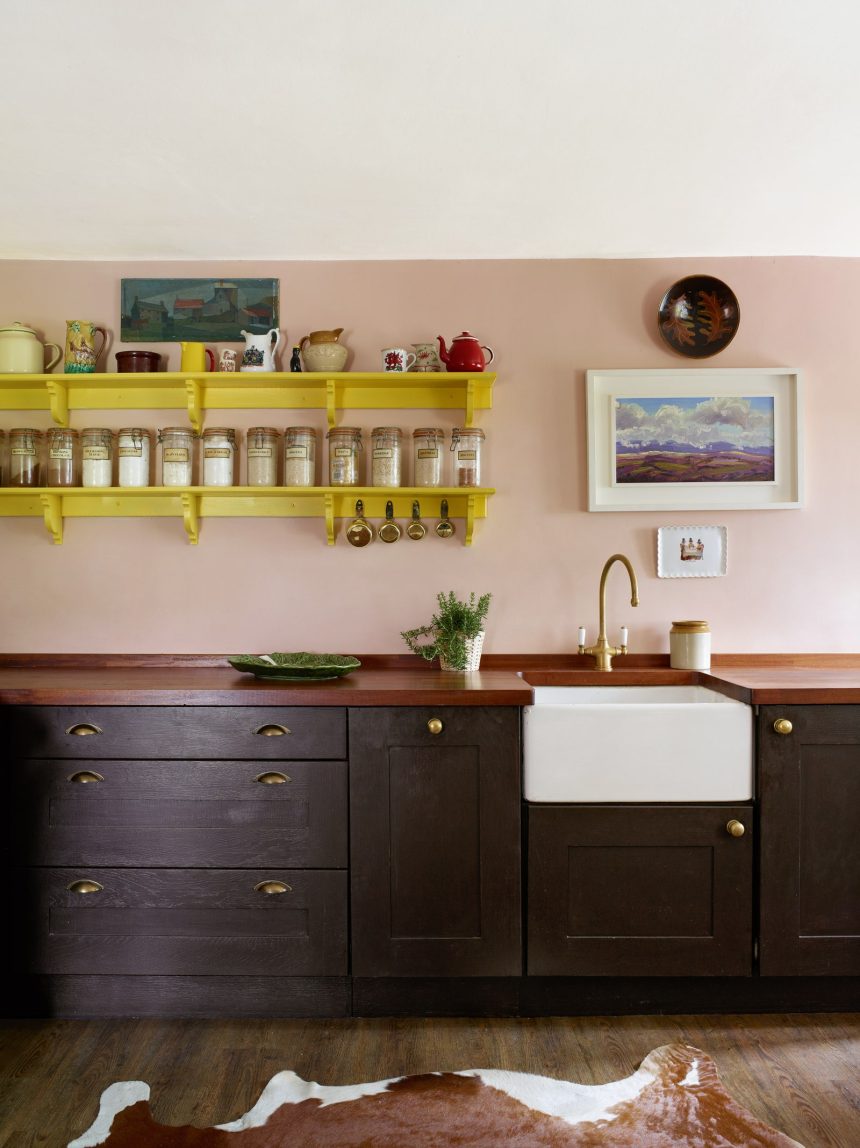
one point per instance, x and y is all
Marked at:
(280, 733)
(204, 814)
(174, 922)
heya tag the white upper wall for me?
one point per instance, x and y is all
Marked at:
(436, 129)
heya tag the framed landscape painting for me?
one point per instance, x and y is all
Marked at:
(704, 439)
(203, 310)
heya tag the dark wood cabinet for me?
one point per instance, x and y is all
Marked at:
(435, 841)
(638, 890)
(809, 806)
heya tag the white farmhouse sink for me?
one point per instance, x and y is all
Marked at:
(636, 743)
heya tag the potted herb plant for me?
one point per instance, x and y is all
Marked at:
(456, 632)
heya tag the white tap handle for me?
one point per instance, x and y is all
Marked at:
(582, 635)
(623, 635)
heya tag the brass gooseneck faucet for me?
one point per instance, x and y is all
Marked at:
(602, 652)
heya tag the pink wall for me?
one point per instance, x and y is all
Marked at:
(136, 584)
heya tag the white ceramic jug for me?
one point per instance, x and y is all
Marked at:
(259, 353)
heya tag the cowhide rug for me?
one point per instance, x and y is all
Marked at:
(674, 1098)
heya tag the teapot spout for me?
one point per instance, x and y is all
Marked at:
(443, 350)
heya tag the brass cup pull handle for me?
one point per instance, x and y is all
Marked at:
(83, 729)
(736, 828)
(85, 887)
(435, 725)
(272, 730)
(271, 887)
(272, 778)
(85, 776)
(783, 725)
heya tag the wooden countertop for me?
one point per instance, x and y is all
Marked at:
(72, 680)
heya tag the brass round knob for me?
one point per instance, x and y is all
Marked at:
(271, 887)
(736, 828)
(272, 778)
(85, 887)
(435, 725)
(272, 730)
(783, 725)
(85, 776)
(83, 729)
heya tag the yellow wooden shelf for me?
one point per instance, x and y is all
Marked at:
(192, 503)
(198, 392)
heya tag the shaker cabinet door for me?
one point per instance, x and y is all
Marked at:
(435, 841)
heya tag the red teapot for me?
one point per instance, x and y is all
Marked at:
(466, 353)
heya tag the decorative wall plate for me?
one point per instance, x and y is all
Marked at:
(300, 667)
(691, 551)
(699, 316)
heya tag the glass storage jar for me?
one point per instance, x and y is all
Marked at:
(63, 457)
(300, 456)
(466, 443)
(177, 455)
(344, 449)
(219, 455)
(25, 457)
(132, 448)
(427, 446)
(3, 467)
(97, 456)
(262, 456)
(385, 456)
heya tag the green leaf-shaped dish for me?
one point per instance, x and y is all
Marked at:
(300, 667)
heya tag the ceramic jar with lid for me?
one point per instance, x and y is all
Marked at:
(690, 646)
(261, 453)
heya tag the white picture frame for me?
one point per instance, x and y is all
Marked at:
(691, 551)
(769, 398)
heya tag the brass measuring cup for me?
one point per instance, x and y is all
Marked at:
(416, 528)
(389, 531)
(445, 528)
(359, 532)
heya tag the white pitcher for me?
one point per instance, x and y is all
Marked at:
(259, 353)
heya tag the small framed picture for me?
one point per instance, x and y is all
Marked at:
(691, 551)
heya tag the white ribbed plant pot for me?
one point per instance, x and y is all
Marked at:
(473, 655)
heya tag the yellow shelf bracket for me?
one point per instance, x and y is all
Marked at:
(329, 518)
(470, 520)
(331, 401)
(59, 398)
(195, 404)
(52, 509)
(471, 388)
(191, 516)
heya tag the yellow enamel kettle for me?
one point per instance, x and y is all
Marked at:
(21, 353)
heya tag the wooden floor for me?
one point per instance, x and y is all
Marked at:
(800, 1073)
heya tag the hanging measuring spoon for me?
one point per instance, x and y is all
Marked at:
(389, 531)
(445, 528)
(416, 528)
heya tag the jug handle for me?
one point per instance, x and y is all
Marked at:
(492, 356)
(100, 331)
(304, 339)
(277, 343)
(54, 358)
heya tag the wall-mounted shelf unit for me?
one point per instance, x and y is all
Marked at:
(198, 392)
(195, 502)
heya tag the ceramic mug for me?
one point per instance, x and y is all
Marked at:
(228, 360)
(397, 359)
(195, 356)
(81, 354)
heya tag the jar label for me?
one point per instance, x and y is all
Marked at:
(259, 452)
(299, 452)
(383, 452)
(24, 450)
(131, 452)
(61, 452)
(467, 455)
(174, 454)
(217, 452)
(96, 452)
(427, 453)
(343, 452)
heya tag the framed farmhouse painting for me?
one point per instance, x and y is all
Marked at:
(205, 310)
(699, 439)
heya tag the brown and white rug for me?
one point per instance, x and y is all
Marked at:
(674, 1098)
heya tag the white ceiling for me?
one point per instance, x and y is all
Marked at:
(432, 129)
